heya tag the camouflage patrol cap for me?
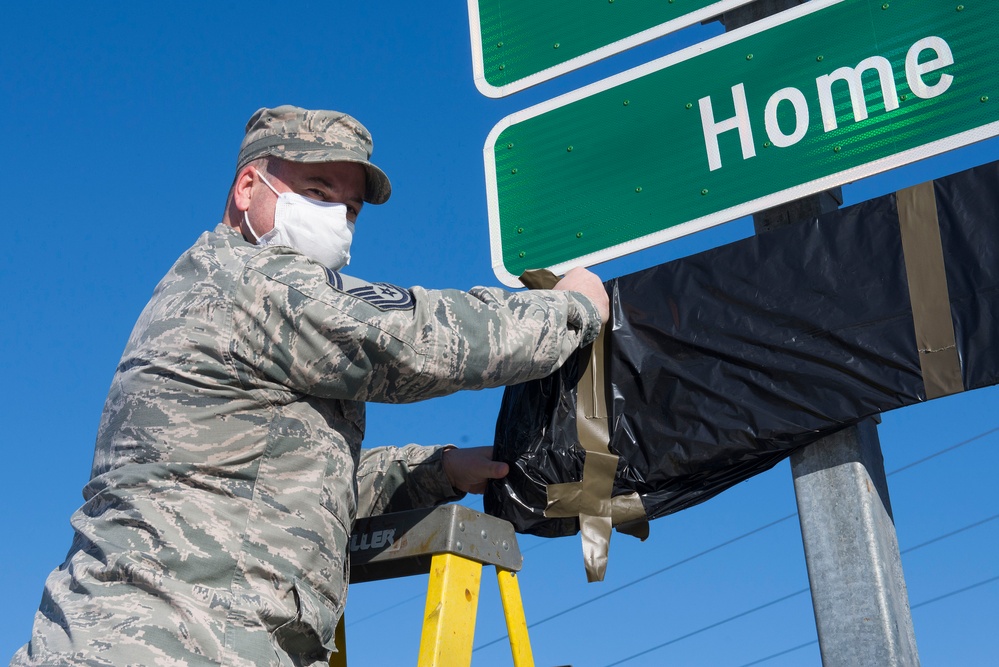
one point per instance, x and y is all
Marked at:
(302, 135)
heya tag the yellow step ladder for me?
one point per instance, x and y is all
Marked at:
(452, 543)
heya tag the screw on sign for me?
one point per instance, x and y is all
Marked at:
(520, 43)
(836, 90)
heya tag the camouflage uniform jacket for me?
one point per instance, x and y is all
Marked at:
(228, 459)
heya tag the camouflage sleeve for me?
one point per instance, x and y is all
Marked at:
(395, 479)
(324, 334)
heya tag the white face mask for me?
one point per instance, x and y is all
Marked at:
(316, 229)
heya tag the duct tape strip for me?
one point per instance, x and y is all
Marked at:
(924, 267)
(539, 279)
(590, 498)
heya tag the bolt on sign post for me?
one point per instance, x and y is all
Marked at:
(519, 43)
(811, 98)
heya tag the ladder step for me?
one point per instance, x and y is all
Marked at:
(452, 543)
(403, 543)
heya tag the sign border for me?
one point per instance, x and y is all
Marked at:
(639, 38)
(719, 217)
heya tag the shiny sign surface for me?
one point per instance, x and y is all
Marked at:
(817, 96)
(519, 43)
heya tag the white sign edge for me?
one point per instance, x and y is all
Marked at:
(931, 149)
(492, 195)
(720, 217)
(588, 58)
(805, 189)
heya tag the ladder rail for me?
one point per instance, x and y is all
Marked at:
(516, 622)
(452, 543)
(449, 617)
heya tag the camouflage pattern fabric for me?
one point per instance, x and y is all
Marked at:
(305, 135)
(228, 467)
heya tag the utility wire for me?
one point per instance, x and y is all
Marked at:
(953, 593)
(781, 599)
(950, 534)
(944, 451)
(643, 578)
(418, 596)
(698, 555)
(355, 621)
(767, 604)
(712, 626)
(921, 604)
(777, 655)
(752, 532)
(913, 464)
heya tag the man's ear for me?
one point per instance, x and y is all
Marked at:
(243, 187)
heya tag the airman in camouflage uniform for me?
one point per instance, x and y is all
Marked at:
(228, 468)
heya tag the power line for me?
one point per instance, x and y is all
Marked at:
(777, 655)
(709, 627)
(950, 534)
(953, 593)
(944, 451)
(766, 604)
(418, 596)
(644, 577)
(752, 532)
(781, 599)
(921, 604)
(706, 551)
(354, 622)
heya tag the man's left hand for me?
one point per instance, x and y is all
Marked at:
(469, 469)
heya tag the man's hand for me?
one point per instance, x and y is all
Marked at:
(589, 285)
(469, 469)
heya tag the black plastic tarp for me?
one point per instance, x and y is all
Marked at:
(717, 366)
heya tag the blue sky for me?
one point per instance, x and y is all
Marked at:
(123, 121)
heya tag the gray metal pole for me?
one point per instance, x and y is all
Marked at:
(858, 589)
(851, 550)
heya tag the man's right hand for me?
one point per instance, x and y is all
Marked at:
(589, 285)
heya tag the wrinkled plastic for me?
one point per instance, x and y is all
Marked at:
(719, 365)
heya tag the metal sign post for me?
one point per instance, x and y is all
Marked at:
(859, 595)
(858, 589)
(788, 106)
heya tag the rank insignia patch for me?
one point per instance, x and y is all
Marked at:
(334, 279)
(380, 295)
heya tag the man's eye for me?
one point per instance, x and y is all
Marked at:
(314, 193)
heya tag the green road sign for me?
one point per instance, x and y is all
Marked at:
(818, 96)
(519, 43)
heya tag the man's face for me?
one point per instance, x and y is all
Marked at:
(339, 182)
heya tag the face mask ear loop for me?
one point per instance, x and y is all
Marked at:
(256, 237)
(266, 182)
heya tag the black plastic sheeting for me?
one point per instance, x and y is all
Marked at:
(719, 365)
